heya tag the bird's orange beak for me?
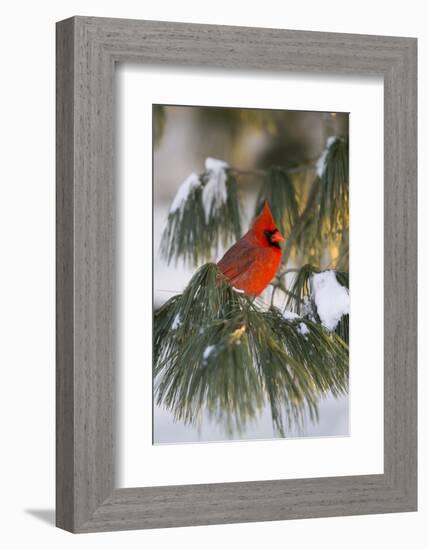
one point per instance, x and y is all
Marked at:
(277, 237)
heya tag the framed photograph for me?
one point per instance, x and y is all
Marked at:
(236, 274)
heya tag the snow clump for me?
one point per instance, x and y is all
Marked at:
(185, 189)
(207, 353)
(290, 315)
(214, 193)
(303, 329)
(321, 162)
(330, 297)
(176, 323)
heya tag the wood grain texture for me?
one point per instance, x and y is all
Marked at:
(87, 50)
(64, 277)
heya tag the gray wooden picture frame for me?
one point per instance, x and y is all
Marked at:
(87, 50)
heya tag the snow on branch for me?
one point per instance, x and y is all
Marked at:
(331, 298)
(321, 296)
(204, 215)
(185, 190)
(321, 162)
(214, 193)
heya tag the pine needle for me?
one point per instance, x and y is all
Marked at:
(216, 351)
(333, 214)
(299, 298)
(192, 236)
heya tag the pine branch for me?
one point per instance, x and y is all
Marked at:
(195, 235)
(300, 224)
(301, 300)
(215, 350)
(334, 193)
(328, 200)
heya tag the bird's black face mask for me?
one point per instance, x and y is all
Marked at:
(270, 238)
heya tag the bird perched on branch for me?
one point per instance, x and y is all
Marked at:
(252, 262)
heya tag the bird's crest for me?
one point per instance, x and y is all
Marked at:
(264, 220)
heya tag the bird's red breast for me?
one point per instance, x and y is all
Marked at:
(252, 262)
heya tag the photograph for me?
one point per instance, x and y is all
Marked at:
(251, 297)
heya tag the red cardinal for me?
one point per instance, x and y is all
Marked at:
(252, 262)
